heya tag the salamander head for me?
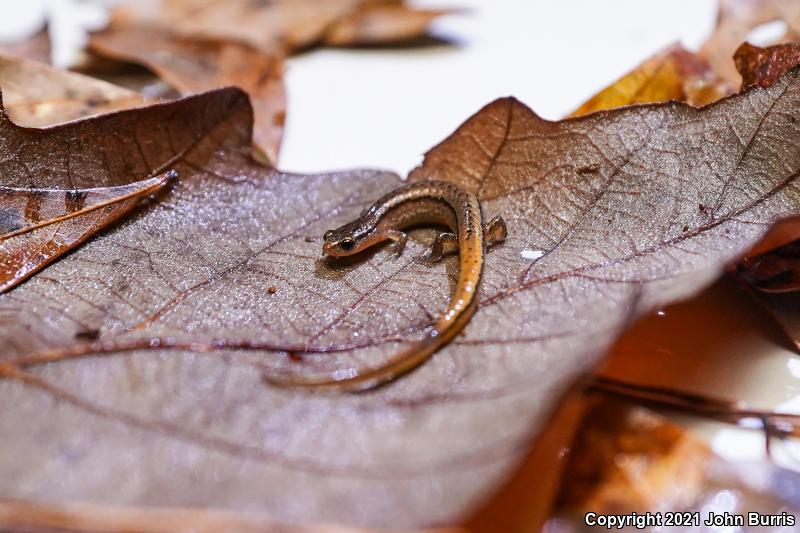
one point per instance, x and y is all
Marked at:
(350, 239)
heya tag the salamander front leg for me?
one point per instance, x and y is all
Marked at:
(399, 241)
(444, 244)
(495, 231)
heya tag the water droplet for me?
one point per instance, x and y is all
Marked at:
(345, 374)
(531, 255)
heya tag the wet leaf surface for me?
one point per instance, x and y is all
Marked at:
(194, 66)
(144, 350)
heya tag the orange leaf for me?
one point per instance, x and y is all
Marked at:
(672, 74)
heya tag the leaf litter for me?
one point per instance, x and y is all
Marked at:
(179, 298)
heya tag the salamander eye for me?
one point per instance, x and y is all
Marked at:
(347, 244)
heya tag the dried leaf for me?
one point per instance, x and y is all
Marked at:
(735, 21)
(381, 24)
(48, 205)
(627, 459)
(763, 66)
(282, 26)
(188, 303)
(776, 271)
(525, 501)
(774, 266)
(37, 95)
(784, 308)
(672, 74)
(194, 66)
(36, 48)
(39, 225)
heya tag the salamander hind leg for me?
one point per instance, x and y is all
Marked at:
(444, 244)
(495, 231)
(399, 241)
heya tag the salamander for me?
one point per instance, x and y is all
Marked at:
(424, 202)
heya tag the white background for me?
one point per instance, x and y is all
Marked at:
(385, 108)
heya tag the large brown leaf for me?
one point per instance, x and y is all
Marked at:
(185, 306)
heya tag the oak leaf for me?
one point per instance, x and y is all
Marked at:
(46, 206)
(149, 352)
(197, 65)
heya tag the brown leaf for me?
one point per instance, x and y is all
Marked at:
(735, 21)
(763, 66)
(149, 353)
(381, 24)
(775, 271)
(36, 47)
(672, 74)
(627, 459)
(46, 215)
(37, 95)
(774, 266)
(194, 66)
(282, 26)
(39, 225)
